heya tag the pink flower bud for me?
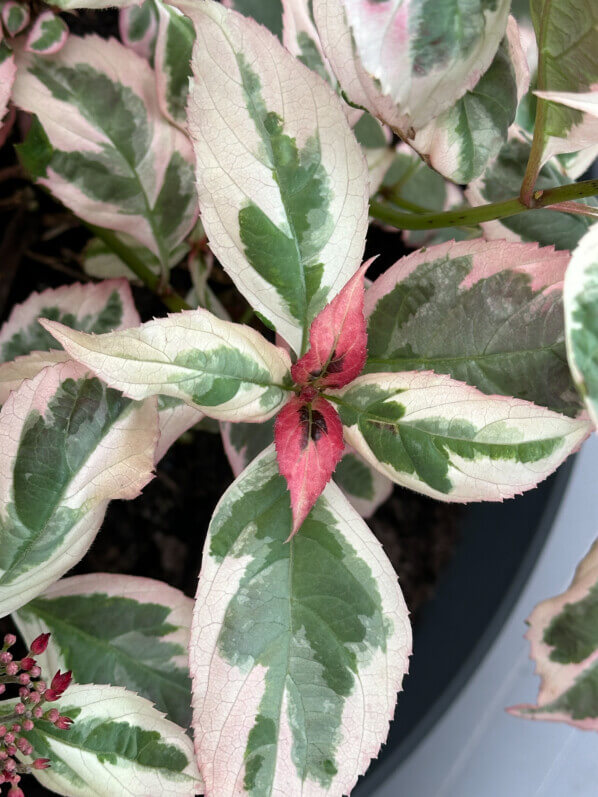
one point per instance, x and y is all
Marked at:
(41, 763)
(61, 681)
(39, 644)
(2, 730)
(24, 746)
(34, 697)
(12, 668)
(35, 671)
(3, 755)
(24, 678)
(38, 712)
(64, 723)
(19, 708)
(2, 689)
(23, 692)
(10, 765)
(5, 657)
(9, 640)
(27, 663)
(16, 791)
(9, 738)
(52, 715)
(11, 750)
(16, 728)
(28, 725)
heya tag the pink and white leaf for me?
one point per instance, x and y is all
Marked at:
(15, 17)
(84, 769)
(379, 61)
(309, 445)
(50, 512)
(48, 34)
(241, 74)
(260, 640)
(8, 72)
(338, 339)
(450, 441)
(228, 371)
(138, 28)
(134, 177)
(564, 647)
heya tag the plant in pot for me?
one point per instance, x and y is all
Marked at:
(446, 374)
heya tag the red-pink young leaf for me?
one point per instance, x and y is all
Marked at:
(309, 445)
(338, 339)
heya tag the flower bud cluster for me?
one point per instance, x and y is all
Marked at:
(34, 694)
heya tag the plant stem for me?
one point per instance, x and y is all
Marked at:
(469, 216)
(166, 293)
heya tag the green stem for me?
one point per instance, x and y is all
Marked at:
(167, 294)
(469, 216)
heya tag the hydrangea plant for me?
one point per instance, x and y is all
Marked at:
(467, 371)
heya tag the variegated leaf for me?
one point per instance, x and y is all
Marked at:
(98, 308)
(487, 313)
(463, 139)
(69, 445)
(201, 295)
(301, 39)
(173, 61)
(567, 33)
(581, 319)
(407, 62)
(118, 630)
(68, 5)
(268, 13)
(364, 486)
(588, 102)
(118, 744)
(502, 180)
(101, 262)
(101, 144)
(229, 371)
(285, 215)
(25, 346)
(563, 636)
(174, 418)
(448, 440)
(297, 649)
(8, 72)
(47, 35)
(309, 444)
(15, 17)
(138, 28)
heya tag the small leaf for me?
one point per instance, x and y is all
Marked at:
(288, 223)
(581, 319)
(118, 630)
(48, 34)
(229, 371)
(489, 313)
(118, 744)
(309, 445)
(101, 145)
(69, 445)
(297, 648)
(563, 636)
(138, 28)
(338, 339)
(15, 17)
(447, 440)
(566, 32)
(406, 63)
